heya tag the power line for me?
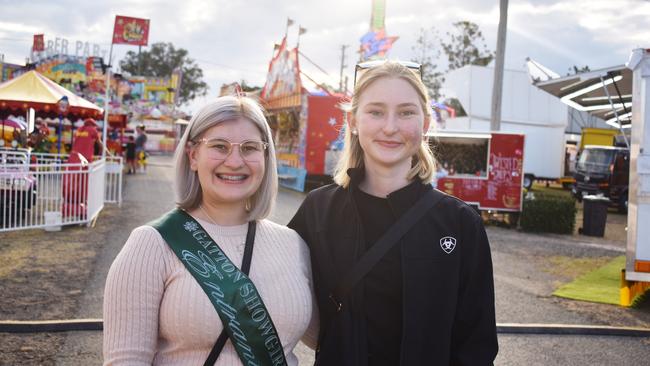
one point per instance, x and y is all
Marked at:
(313, 63)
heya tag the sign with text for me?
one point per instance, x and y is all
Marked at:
(39, 43)
(133, 31)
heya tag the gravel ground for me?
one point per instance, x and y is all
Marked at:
(61, 276)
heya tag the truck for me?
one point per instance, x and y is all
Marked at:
(483, 169)
(541, 117)
(603, 170)
(588, 136)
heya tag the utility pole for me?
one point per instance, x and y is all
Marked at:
(497, 87)
(343, 65)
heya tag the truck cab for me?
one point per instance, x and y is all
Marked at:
(603, 170)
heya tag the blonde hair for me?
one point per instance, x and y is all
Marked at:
(186, 183)
(424, 164)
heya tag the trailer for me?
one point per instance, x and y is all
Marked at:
(525, 110)
(637, 268)
(483, 169)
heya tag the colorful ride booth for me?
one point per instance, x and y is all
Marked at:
(307, 126)
(32, 90)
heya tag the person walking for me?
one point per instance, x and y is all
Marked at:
(140, 150)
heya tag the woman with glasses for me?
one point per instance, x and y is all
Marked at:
(402, 272)
(213, 281)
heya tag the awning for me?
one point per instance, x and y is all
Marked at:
(604, 93)
(33, 90)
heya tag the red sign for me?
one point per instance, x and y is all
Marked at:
(133, 31)
(39, 43)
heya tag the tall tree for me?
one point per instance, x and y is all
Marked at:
(425, 51)
(160, 61)
(466, 46)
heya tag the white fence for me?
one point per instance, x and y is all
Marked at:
(39, 191)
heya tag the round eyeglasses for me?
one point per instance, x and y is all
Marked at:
(220, 149)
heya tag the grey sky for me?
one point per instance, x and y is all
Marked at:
(233, 40)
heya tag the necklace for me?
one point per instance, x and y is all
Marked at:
(240, 246)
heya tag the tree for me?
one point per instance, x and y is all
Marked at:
(160, 61)
(425, 52)
(462, 47)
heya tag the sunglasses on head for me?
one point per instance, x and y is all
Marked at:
(362, 67)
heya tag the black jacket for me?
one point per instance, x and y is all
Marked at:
(448, 298)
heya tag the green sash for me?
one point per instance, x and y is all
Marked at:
(232, 293)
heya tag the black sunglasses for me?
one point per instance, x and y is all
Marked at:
(362, 67)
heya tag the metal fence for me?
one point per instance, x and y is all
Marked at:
(114, 170)
(39, 191)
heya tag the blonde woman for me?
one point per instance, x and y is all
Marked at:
(402, 272)
(214, 268)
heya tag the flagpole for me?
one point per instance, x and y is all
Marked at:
(299, 33)
(106, 100)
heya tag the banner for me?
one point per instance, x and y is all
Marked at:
(133, 31)
(283, 86)
(39, 43)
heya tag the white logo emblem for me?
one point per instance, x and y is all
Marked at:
(190, 226)
(448, 244)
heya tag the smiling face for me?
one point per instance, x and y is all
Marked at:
(390, 123)
(233, 180)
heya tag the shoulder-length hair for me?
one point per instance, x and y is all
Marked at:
(423, 164)
(187, 187)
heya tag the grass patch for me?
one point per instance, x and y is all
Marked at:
(571, 267)
(601, 285)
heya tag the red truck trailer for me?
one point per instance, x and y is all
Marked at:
(483, 169)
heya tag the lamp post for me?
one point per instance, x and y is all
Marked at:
(63, 104)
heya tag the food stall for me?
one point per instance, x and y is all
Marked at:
(482, 169)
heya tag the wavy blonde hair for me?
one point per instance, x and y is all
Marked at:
(186, 183)
(424, 164)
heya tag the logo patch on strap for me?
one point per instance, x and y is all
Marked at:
(448, 243)
(190, 226)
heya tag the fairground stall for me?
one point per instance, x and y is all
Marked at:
(133, 100)
(307, 127)
(482, 169)
(51, 189)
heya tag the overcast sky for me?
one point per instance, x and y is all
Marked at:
(233, 40)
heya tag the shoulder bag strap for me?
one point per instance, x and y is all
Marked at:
(383, 245)
(245, 267)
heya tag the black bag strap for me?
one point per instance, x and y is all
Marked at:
(245, 267)
(383, 245)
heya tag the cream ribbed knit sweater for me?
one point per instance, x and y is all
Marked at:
(156, 313)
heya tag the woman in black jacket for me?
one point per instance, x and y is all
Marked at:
(427, 298)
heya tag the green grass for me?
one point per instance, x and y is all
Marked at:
(601, 285)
